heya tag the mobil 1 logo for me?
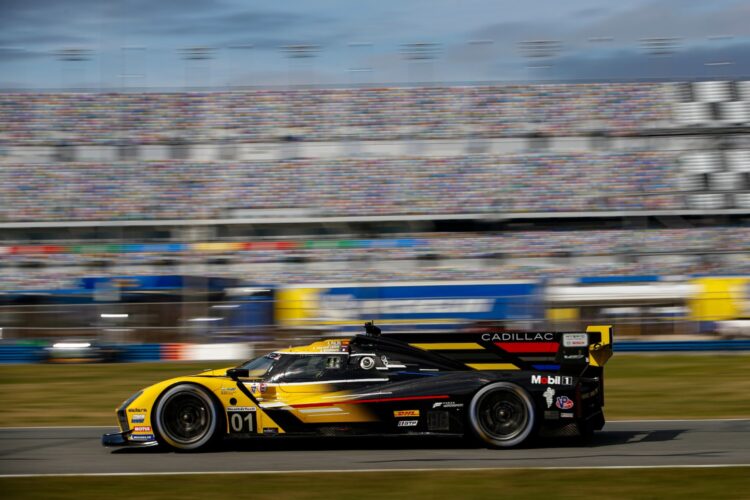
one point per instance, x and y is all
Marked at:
(241, 419)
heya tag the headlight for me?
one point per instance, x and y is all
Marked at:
(575, 340)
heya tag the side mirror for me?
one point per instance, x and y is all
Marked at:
(235, 373)
(371, 329)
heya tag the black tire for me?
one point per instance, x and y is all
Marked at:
(186, 418)
(502, 415)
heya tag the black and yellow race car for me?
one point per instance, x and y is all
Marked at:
(501, 387)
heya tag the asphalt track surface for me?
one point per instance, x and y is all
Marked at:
(77, 450)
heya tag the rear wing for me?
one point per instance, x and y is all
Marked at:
(600, 350)
(493, 349)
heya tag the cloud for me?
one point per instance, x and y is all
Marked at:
(41, 39)
(8, 54)
(672, 18)
(632, 64)
(236, 23)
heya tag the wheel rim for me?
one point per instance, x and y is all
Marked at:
(186, 418)
(502, 415)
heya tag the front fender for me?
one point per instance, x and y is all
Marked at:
(136, 416)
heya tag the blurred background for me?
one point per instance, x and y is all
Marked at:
(204, 179)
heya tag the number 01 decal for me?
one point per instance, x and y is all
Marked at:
(241, 421)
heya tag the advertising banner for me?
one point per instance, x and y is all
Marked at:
(409, 303)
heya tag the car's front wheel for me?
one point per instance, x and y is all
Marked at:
(186, 417)
(502, 415)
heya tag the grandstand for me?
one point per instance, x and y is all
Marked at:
(481, 182)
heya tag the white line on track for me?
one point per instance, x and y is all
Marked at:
(608, 421)
(681, 420)
(349, 471)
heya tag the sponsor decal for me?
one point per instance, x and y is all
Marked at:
(270, 430)
(142, 437)
(408, 423)
(262, 387)
(548, 395)
(254, 387)
(228, 390)
(574, 356)
(138, 419)
(447, 404)
(551, 380)
(137, 410)
(575, 340)
(142, 428)
(590, 394)
(518, 337)
(344, 346)
(367, 363)
(564, 402)
(551, 415)
(566, 415)
(406, 413)
(241, 419)
(347, 306)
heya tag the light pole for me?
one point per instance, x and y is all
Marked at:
(599, 42)
(247, 48)
(298, 54)
(357, 69)
(482, 50)
(719, 65)
(125, 75)
(661, 47)
(198, 56)
(540, 53)
(420, 55)
(73, 57)
(10, 54)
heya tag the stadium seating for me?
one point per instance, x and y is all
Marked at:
(518, 254)
(331, 114)
(574, 176)
(407, 185)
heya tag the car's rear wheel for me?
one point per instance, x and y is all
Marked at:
(186, 417)
(502, 415)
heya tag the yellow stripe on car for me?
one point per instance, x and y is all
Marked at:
(449, 346)
(493, 366)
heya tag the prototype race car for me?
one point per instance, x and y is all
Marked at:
(502, 388)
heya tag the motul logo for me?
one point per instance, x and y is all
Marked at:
(551, 380)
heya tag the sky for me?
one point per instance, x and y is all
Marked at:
(143, 43)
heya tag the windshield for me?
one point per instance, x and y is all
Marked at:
(258, 367)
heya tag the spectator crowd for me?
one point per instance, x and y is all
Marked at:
(546, 182)
(502, 255)
(332, 114)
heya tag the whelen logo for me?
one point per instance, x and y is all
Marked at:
(551, 380)
(406, 413)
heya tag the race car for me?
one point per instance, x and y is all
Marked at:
(500, 387)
